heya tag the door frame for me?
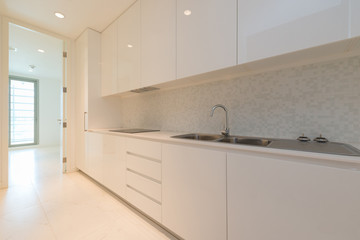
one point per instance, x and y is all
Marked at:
(4, 96)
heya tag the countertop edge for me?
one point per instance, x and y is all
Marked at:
(165, 137)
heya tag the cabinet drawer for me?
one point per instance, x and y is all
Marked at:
(143, 203)
(143, 185)
(144, 148)
(144, 166)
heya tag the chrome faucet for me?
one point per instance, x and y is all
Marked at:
(226, 131)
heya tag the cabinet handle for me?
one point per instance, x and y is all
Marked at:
(85, 128)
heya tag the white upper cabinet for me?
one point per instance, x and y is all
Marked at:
(109, 60)
(206, 36)
(158, 41)
(128, 49)
(272, 27)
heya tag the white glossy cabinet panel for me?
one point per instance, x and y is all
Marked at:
(109, 83)
(158, 41)
(144, 148)
(94, 156)
(281, 200)
(105, 161)
(114, 164)
(269, 28)
(145, 204)
(206, 39)
(128, 49)
(144, 166)
(144, 185)
(194, 192)
(143, 176)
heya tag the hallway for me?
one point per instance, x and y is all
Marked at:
(43, 203)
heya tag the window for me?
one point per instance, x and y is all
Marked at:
(23, 111)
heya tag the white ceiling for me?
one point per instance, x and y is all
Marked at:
(48, 65)
(79, 14)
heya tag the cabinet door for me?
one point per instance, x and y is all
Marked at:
(194, 192)
(206, 39)
(143, 176)
(94, 156)
(158, 41)
(109, 60)
(280, 200)
(114, 164)
(272, 27)
(128, 49)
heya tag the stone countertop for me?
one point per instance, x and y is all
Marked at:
(343, 161)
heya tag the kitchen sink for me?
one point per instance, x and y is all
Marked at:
(248, 141)
(198, 136)
(228, 139)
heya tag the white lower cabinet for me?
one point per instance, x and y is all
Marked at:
(143, 176)
(280, 200)
(200, 193)
(105, 161)
(114, 164)
(194, 192)
(94, 156)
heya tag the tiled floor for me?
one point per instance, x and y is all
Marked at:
(43, 203)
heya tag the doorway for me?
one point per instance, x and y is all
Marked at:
(36, 100)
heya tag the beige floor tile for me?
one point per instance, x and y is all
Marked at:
(17, 198)
(33, 214)
(13, 230)
(42, 203)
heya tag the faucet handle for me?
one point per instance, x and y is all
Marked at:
(303, 138)
(321, 139)
(226, 132)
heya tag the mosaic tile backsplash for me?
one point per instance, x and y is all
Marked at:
(322, 98)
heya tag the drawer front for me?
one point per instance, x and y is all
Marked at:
(144, 166)
(143, 203)
(144, 148)
(144, 185)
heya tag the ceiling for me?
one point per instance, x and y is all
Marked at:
(48, 65)
(79, 14)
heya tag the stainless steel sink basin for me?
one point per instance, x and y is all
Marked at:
(229, 139)
(198, 136)
(248, 141)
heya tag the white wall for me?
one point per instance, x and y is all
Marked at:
(312, 99)
(49, 112)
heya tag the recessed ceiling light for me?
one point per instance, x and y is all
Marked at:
(187, 12)
(41, 50)
(59, 15)
(129, 46)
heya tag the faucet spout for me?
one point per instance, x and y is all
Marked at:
(226, 131)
